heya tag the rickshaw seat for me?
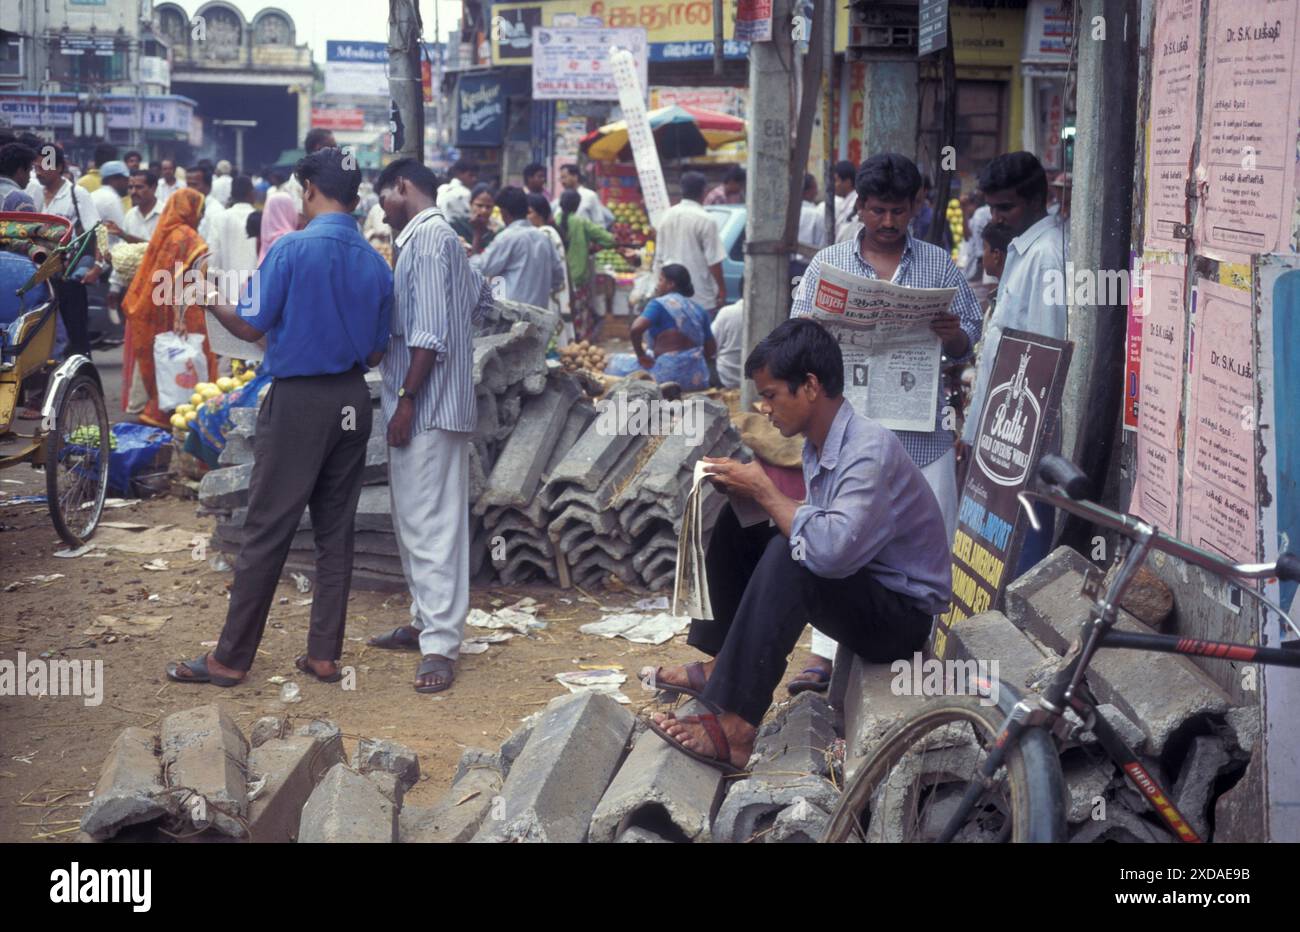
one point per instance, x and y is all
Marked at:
(15, 270)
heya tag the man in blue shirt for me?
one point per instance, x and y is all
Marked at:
(865, 559)
(521, 255)
(323, 299)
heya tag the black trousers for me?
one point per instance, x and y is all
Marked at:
(762, 598)
(310, 450)
(74, 308)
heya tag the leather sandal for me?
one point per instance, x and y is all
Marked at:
(721, 759)
(400, 638)
(671, 692)
(819, 683)
(433, 663)
(199, 673)
(304, 667)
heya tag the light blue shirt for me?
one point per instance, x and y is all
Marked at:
(527, 263)
(1028, 299)
(869, 505)
(438, 298)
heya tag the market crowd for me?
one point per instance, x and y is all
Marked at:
(395, 272)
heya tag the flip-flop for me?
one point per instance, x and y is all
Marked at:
(719, 761)
(400, 638)
(199, 667)
(303, 666)
(819, 685)
(435, 664)
(671, 692)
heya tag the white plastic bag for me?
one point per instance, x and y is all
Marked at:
(179, 365)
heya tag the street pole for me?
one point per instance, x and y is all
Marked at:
(404, 28)
(767, 193)
(828, 103)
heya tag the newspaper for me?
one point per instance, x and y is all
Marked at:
(891, 356)
(691, 587)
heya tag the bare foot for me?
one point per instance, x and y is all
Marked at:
(687, 732)
(438, 673)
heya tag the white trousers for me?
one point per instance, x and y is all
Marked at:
(428, 482)
(942, 476)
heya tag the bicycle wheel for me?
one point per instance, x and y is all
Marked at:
(77, 448)
(910, 786)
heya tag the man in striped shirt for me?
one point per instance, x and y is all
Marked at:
(887, 187)
(428, 403)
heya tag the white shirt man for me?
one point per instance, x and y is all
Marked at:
(846, 213)
(63, 205)
(688, 235)
(728, 327)
(236, 251)
(221, 182)
(109, 205)
(812, 225)
(210, 230)
(142, 224)
(590, 207)
(1022, 303)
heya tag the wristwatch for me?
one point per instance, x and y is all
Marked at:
(403, 393)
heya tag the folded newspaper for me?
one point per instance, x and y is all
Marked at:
(691, 587)
(892, 359)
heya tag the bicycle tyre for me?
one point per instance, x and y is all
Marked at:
(1033, 770)
(76, 503)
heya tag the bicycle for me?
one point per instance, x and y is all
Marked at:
(1003, 781)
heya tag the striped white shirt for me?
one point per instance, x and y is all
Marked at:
(438, 298)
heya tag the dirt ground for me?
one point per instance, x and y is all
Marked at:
(51, 748)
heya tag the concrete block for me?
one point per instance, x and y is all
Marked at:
(794, 743)
(1193, 789)
(1085, 780)
(203, 750)
(798, 824)
(388, 756)
(1239, 814)
(130, 788)
(660, 789)
(348, 807)
(871, 709)
(477, 759)
(751, 805)
(327, 731)
(237, 451)
(390, 784)
(1120, 825)
(647, 550)
(992, 638)
(1131, 732)
(268, 727)
(1159, 691)
(244, 419)
(1244, 723)
(225, 489)
(587, 462)
(557, 781)
(636, 835)
(284, 772)
(514, 745)
(458, 815)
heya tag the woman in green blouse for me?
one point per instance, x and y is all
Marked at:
(578, 234)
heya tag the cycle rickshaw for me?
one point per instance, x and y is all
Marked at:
(71, 437)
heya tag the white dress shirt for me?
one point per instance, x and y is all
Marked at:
(728, 334)
(589, 208)
(846, 212)
(688, 236)
(62, 204)
(221, 189)
(812, 225)
(236, 251)
(142, 225)
(453, 199)
(109, 205)
(1022, 303)
(210, 230)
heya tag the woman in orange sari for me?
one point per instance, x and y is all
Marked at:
(174, 247)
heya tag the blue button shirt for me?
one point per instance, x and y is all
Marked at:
(324, 298)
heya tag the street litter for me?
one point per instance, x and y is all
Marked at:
(520, 621)
(75, 552)
(12, 586)
(156, 565)
(479, 644)
(49, 577)
(643, 629)
(134, 625)
(595, 681)
(277, 680)
(656, 604)
(301, 581)
(289, 692)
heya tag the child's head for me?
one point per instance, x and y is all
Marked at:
(997, 239)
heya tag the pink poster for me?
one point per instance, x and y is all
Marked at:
(1252, 103)
(1175, 68)
(1219, 507)
(1155, 488)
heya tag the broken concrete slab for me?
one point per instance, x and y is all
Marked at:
(801, 823)
(992, 638)
(871, 708)
(475, 759)
(1086, 780)
(1159, 691)
(268, 727)
(587, 462)
(390, 784)
(1244, 723)
(284, 772)
(1239, 815)
(637, 835)
(1127, 729)
(225, 489)
(327, 731)
(558, 780)
(1205, 761)
(348, 807)
(459, 814)
(514, 745)
(130, 789)
(795, 742)
(1120, 825)
(204, 751)
(389, 756)
(751, 805)
(660, 789)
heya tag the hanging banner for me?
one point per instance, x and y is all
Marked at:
(1175, 69)
(1019, 419)
(573, 64)
(480, 110)
(1160, 390)
(356, 68)
(932, 28)
(631, 98)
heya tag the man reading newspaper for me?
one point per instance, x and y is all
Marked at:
(865, 558)
(897, 380)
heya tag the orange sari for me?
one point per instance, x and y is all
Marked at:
(149, 307)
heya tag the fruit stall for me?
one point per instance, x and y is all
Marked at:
(620, 192)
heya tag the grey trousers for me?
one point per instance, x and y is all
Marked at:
(428, 480)
(310, 449)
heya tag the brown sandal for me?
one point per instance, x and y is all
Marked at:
(671, 692)
(721, 759)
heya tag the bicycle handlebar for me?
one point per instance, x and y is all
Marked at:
(1069, 484)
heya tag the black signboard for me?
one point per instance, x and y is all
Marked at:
(932, 34)
(1020, 418)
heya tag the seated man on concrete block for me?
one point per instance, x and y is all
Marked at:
(865, 559)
